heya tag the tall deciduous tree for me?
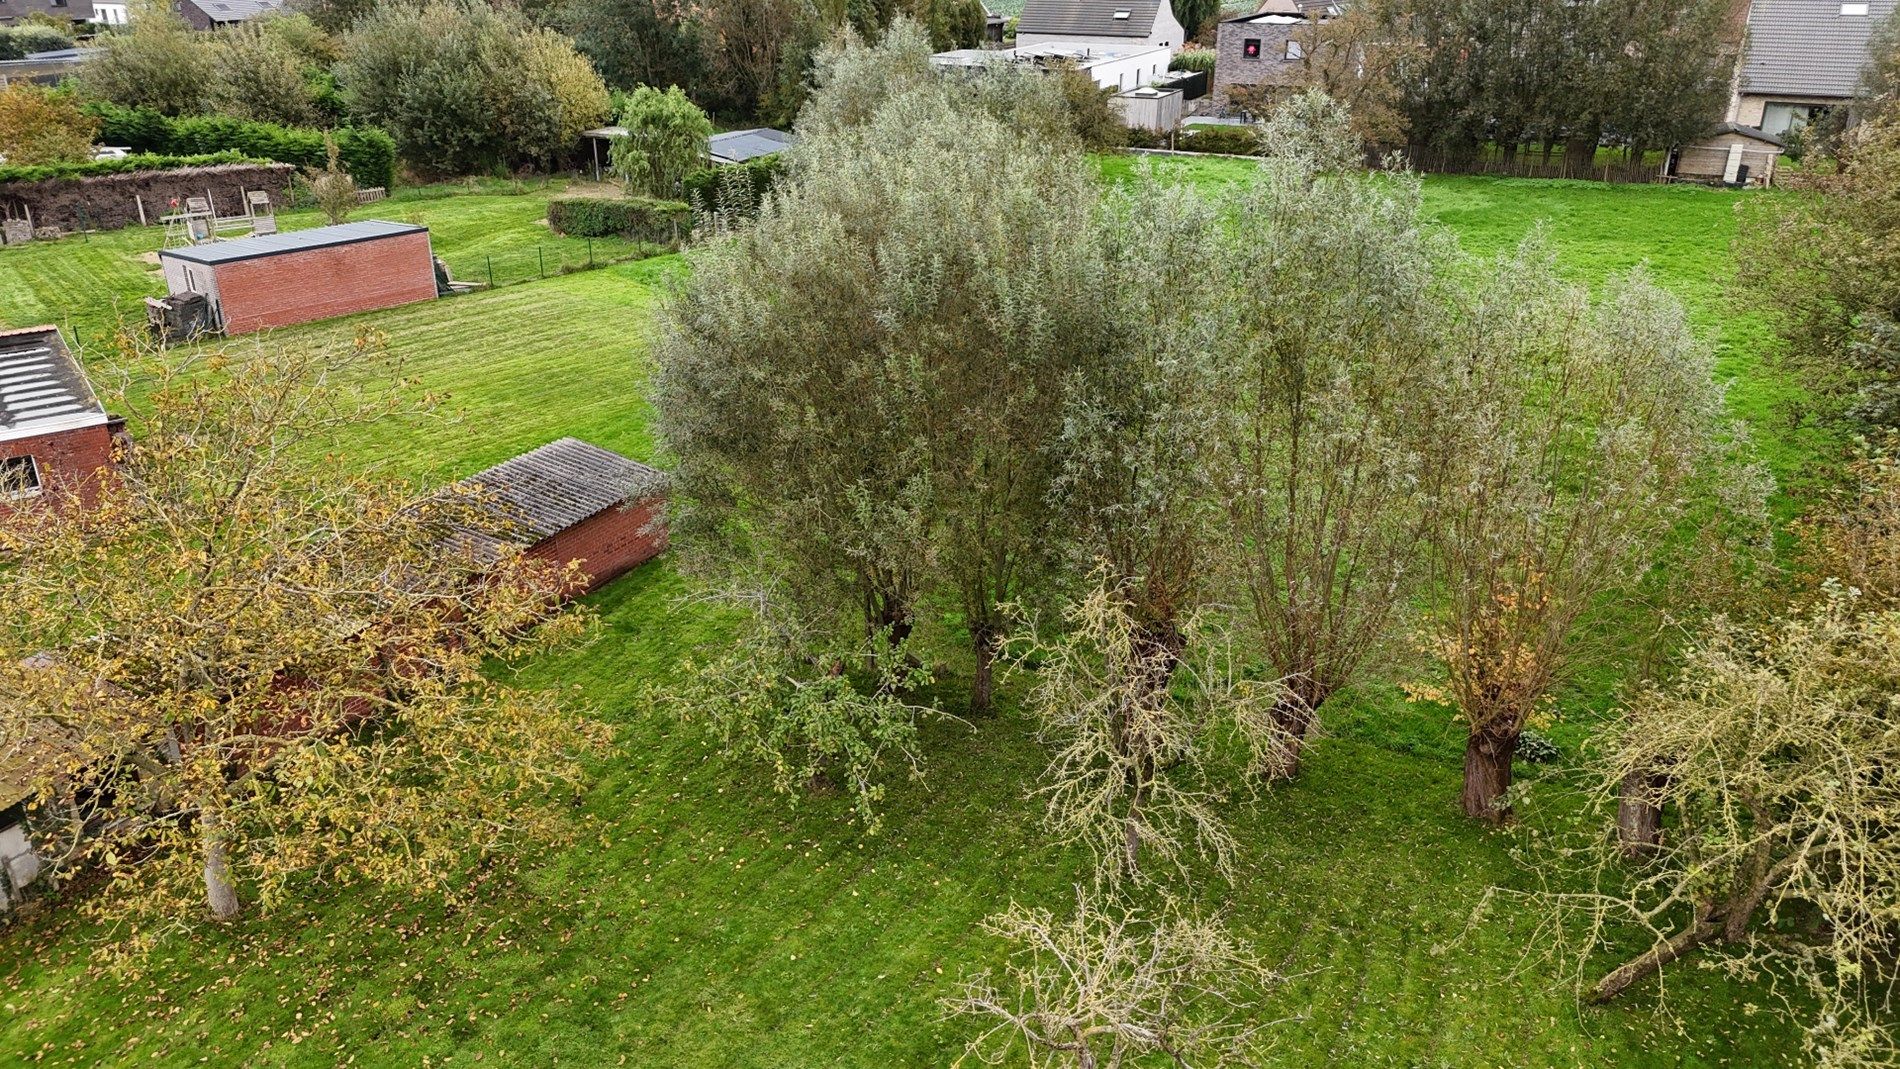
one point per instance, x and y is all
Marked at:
(157, 64)
(1337, 336)
(240, 667)
(638, 42)
(39, 125)
(1569, 434)
(665, 141)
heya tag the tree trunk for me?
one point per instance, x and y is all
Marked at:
(1638, 817)
(1620, 978)
(1292, 722)
(983, 687)
(220, 893)
(1488, 754)
(1580, 152)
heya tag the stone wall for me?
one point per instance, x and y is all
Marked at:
(111, 201)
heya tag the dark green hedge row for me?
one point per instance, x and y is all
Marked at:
(737, 188)
(660, 222)
(139, 161)
(367, 153)
(1233, 140)
(18, 42)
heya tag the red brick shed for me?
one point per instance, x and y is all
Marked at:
(274, 280)
(574, 501)
(55, 437)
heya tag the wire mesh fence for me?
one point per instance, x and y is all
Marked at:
(542, 260)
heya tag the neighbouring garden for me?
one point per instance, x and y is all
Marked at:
(698, 920)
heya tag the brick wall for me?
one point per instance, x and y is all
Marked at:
(70, 461)
(296, 287)
(1233, 68)
(609, 543)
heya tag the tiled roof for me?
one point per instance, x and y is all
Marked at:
(1808, 48)
(541, 493)
(237, 10)
(1089, 18)
(316, 237)
(42, 388)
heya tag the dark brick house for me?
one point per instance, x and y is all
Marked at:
(275, 280)
(55, 437)
(1264, 50)
(572, 501)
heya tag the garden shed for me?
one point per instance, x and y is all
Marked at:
(572, 501)
(1733, 155)
(275, 280)
(55, 436)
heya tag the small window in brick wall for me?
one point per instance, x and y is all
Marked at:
(1250, 48)
(1295, 50)
(19, 477)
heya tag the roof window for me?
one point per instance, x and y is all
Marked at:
(1122, 13)
(1854, 8)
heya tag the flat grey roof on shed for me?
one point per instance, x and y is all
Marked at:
(545, 491)
(320, 237)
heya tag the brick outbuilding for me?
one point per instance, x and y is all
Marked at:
(55, 437)
(573, 501)
(275, 280)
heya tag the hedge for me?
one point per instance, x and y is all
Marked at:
(734, 188)
(367, 153)
(1233, 140)
(18, 42)
(139, 161)
(660, 222)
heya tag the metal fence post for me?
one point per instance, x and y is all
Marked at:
(590, 252)
(491, 271)
(541, 253)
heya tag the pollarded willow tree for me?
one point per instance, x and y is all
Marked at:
(1337, 342)
(1569, 436)
(863, 398)
(241, 668)
(1779, 854)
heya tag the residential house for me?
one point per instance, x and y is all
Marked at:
(55, 436)
(1117, 24)
(211, 14)
(13, 11)
(1801, 58)
(1117, 67)
(1264, 50)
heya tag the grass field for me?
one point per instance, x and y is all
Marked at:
(85, 283)
(698, 920)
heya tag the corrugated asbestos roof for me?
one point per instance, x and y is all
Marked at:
(42, 388)
(545, 491)
(1808, 48)
(738, 146)
(221, 252)
(1089, 18)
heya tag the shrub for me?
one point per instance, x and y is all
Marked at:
(1200, 60)
(135, 162)
(43, 126)
(20, 41)
(1232, 140)
(1534, 747)
(661, 222)
(666, 139)
(368, 154)
(737, 189)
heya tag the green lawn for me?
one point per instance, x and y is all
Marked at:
(699, 920)
(87, 282)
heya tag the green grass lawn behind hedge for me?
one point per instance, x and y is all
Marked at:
(699, 920)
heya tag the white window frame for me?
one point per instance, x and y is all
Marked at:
(1294, 50)
(37, 482)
